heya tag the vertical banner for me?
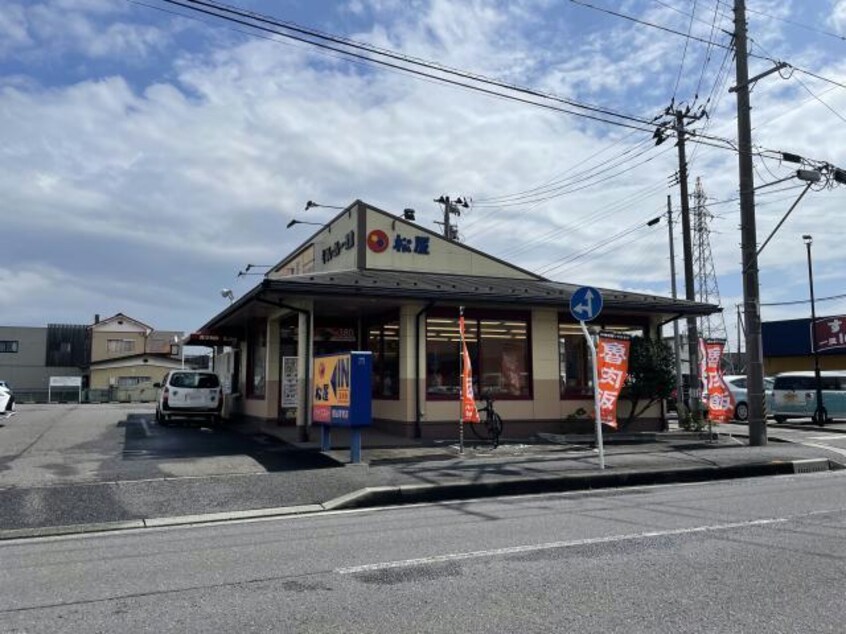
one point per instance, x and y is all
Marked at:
(703, 374)
(720, 403)
(469, 413)
(612, 369)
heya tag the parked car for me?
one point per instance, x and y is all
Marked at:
(737, 386)
(795, 395)
(189, 394)
(7, 399)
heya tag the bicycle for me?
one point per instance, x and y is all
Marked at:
(490, 425)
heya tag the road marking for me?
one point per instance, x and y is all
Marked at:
(842, 452)
(834, 437)
(144, 425)
(511, 550)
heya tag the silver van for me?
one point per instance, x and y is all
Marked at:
(795, 395)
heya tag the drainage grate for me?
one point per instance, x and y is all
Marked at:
(812, 465)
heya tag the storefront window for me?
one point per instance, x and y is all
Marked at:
(499, 353)
(256, 358)
(575, 372)
(383, 342)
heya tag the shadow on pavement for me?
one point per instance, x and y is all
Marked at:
(147, 440)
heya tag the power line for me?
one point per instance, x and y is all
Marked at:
(695, 38)
(684, 52)
(639, 21)
(805, 301)
(789, 21)
(343, 45)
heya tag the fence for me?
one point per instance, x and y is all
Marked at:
(139, 394)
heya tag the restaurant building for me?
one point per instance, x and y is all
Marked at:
(370, 280)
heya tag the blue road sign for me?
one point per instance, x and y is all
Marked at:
(586, 303)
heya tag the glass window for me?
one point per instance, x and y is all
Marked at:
(499, 354)
(120, 345)
(383, 342)
(194, 380)
(8, 346)
(127, 382)
(575, 372)
(257, 356)
(504, 357)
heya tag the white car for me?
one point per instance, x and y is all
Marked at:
(7, 400)
(189, 394)
(737, 386)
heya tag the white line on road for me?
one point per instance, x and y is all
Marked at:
(842, 452)
(834, 437)
(511, 550)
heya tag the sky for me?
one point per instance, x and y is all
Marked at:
(150, 152)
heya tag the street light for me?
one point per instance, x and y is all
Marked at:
(808, 176)
(294, 221)
(309, 204)
(820, 413)
(227, 293)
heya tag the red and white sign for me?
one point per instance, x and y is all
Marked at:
(719, 403)
(830, 332)
(612, 369)
(469, 413)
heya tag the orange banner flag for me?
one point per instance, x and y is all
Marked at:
(612, 368)
(720, 402)
(469, 413)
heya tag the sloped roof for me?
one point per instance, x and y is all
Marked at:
(446, 288)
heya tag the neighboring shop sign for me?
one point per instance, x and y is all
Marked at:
(339, 246)
(335, 334)
(830, 332)
(378, 242)
(341, 390)
(612, 369)
(65, 381)
(717, 397)
(289, 382)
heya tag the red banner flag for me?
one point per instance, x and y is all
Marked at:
(469, 413)
(612, 368)
(720, 403)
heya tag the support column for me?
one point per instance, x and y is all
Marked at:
(305, 328)
(271, 370)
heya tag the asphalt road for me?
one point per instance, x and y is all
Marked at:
(758, 555)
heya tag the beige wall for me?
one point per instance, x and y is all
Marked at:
(774, 365)
(100, 377)
(99, 344)
(444, 255)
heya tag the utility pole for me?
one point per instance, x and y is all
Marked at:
(751, 297)
(451, 208)
(676, 345)
(689, 286)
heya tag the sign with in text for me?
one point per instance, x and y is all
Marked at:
(341, 390)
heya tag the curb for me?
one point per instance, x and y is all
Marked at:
(428, 493)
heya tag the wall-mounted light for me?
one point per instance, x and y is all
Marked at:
(227, 293)
(309, 204)
(294, 221)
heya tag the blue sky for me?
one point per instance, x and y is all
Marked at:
(149, 156)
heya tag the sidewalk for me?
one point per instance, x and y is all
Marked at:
(399, 471)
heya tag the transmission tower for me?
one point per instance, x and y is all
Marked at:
(707, 290)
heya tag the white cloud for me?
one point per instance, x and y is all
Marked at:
(172, 184)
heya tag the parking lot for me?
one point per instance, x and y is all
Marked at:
(61, 444)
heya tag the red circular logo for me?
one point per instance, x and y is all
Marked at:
(377, 240)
